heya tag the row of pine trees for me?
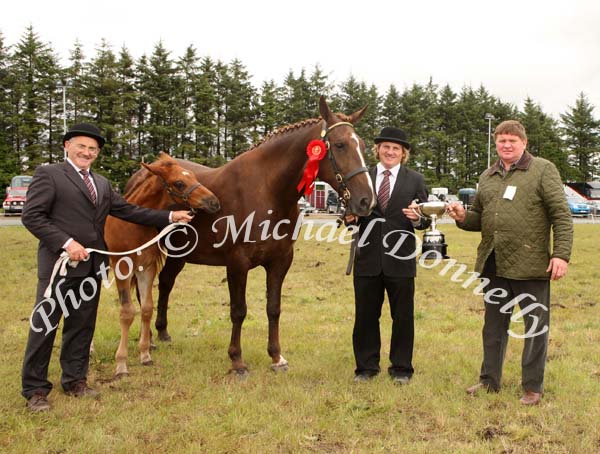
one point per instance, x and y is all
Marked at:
(209, 111)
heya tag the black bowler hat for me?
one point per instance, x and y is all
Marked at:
(391, 134)
(85, 129)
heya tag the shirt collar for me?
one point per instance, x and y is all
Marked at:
(394, 170)
(77, 169)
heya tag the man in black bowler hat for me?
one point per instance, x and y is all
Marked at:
(379, 269)
(66, 209)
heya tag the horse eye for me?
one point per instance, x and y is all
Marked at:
(179, 185)
(339, 145)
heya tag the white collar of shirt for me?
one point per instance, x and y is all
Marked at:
(394, 174)
(77, 169)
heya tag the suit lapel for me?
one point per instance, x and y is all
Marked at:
(72, 176)
(400, 181)
(373, 175)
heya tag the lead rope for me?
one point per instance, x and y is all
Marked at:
(60, 266)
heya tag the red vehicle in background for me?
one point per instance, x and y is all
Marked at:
(16, 194)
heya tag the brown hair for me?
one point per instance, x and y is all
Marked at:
(512, 127)
(405, 153)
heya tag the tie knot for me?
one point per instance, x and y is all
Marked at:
(387, 173)
(84, 172)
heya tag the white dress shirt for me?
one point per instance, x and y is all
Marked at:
(393, 177)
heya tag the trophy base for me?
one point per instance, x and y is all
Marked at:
(434, 241)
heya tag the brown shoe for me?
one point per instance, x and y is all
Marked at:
(531, 398)
(81, 389)
(38, 403)
(475, 389)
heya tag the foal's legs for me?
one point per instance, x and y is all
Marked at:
(276, 272)
(126, 316)
(237, 293)
(166, 281)
(145, 278)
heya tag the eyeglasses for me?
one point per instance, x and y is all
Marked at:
(82, 147)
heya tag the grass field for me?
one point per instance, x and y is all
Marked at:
(187, 402)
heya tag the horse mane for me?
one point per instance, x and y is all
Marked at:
(136, 181)
(285, 129)
(298, 125)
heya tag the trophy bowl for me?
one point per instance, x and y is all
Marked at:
(432, 208)
(433, 240)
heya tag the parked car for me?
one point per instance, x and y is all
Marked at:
(578, 207)
(467, 196)
(333, 203)
(305, 206)
(15, 199)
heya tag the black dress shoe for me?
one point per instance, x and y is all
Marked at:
(363, 377)
(38, 403)
(400, 380)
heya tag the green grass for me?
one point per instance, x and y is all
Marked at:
(187, 402)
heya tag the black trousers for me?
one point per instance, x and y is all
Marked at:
(366, 338)
(75, 299)
(533, 298)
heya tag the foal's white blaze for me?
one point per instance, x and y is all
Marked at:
(185, 172)
(362, 162)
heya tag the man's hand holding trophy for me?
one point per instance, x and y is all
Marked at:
(433, 239)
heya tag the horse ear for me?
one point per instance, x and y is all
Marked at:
(146, 166)
(152, 168)
(356, 116)
(324, 109)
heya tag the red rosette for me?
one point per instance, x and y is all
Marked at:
(316, 151)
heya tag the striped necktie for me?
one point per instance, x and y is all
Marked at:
(383, 196)
(88, 183)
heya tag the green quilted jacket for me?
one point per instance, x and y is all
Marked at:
(518, 230)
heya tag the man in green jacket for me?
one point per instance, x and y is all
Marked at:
(520, 200)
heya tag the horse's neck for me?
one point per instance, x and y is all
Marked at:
(287, 154)
(150, 194)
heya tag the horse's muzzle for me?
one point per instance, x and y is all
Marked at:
(212, 205)
(363, 207)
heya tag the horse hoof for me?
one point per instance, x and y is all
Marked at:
(281, 366)
(120, 375)
(148, 363)
(164, 337)
(241, 374)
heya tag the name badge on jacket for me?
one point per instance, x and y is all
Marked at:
(510, 192)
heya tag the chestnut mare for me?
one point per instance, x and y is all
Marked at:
(166, 183)
(258, 194)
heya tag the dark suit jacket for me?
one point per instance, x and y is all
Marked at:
(371, 258)
(59, 207)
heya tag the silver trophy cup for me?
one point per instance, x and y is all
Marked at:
(433, 239)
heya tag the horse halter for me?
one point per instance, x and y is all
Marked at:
(185, 196)
(341, 179)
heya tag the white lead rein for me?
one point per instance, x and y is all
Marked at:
(60, 267)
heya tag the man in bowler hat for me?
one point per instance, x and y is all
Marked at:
(376, 272)
(66, 210)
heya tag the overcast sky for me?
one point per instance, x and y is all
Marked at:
(548, 50)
